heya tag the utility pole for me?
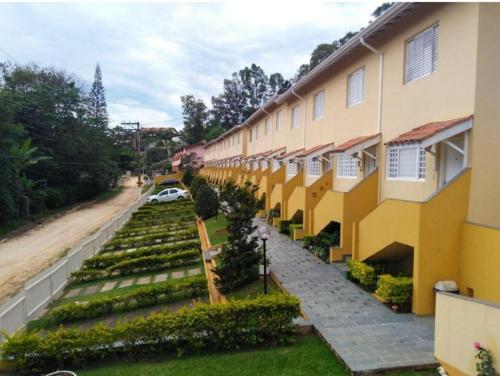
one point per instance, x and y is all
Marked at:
(137, 125)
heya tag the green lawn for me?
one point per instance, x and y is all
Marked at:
(216, 229)
(308, 356)
(253, 289)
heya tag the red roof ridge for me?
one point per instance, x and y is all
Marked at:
(425, 131)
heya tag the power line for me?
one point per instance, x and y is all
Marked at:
(9, 55)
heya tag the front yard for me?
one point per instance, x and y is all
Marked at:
(308, 356)
(216, 229)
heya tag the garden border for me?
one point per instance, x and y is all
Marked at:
(41, 289)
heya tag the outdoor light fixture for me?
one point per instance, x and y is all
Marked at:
(264, 234)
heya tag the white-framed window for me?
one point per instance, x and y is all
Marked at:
(264, 164)
(250, 135)
(291, 168)
(295, 117)
(356, 87)
(313, 167)
(319, 105)
(279, 120)
(422, 54)
(406, 162)
(276, 164)
(347, 166)
(255, 165)
(266, 126)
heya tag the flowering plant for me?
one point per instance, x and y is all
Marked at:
(484, 366)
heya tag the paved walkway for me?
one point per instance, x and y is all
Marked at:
(365, 334)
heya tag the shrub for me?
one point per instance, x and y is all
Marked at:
(163, 237)
(294, 226)
(320, 244)
(188, 177)
(484, 365)
(106, 260)
(137, 265)
(181, 244)
(164, 292)
(196, 184)
(362, 272)
(207, 202)
(395, 290)
(55, 197)
(284, 226)
(236, 325)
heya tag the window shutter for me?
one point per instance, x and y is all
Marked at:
(422, 54)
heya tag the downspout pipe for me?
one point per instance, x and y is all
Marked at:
(380, 80)
(270, 130)
(380, 83)
(305, 111)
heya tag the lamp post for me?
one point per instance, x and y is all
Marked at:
(264, 235)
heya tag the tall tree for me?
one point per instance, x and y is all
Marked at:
(98, 111)
(195, 119)
(381, 9)
(238, 263)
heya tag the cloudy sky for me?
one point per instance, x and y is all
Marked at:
(151, 54)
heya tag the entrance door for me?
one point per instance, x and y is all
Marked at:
(453, 159)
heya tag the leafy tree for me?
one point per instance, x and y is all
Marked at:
(98, 111)
(197, 182)
(48, 108)
(195, 118)
(206, 202)
(381, 9)
(187, 178)
(238, 262)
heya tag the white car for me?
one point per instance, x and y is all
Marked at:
(169, 194)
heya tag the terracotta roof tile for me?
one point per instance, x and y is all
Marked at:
(427, 130)
(271, 152)
(290, 153)
(353, 142)
(305, 153)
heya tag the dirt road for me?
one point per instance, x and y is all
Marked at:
(25, 255)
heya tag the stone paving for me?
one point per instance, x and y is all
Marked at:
(366, 335)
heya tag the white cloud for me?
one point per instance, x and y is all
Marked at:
(151, 54)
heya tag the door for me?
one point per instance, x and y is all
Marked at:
(453, 160)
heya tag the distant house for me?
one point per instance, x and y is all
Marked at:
(197, 150)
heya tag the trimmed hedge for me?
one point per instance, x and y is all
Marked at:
(239, 324)
(362, 272)
(107, 260)
(159, 221)
(136, 231)
(395, 290)
(164, 292)
(181, 244)
(284, 226)
(137, 265)
(167, 236)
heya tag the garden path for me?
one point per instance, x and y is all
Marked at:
(24, 256)
(365, 334)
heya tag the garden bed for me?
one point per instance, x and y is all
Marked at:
(163, 268)
(216, 229)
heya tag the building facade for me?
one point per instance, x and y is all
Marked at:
(395, 138)
(198, 156)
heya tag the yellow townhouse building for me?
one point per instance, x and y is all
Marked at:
(395, 138)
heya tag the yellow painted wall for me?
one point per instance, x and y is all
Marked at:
(480, 262)
(274, 179)
(314, 194)
(445, 94)
(160, 178)
(431, 228)
(277, 196)
(485, 199)
(296, 201)
(460, 322)
(441, 221)
(288, 188)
